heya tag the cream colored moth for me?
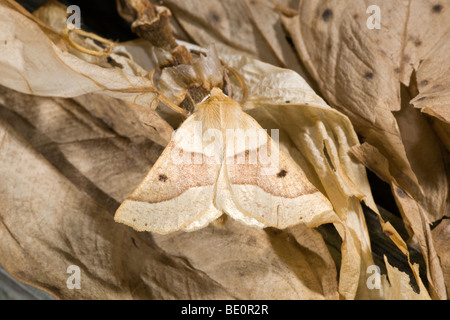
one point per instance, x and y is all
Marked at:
(219, 161)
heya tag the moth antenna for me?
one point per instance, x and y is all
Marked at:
(240, 80)
(205, 98)
(110, 44)
(163, 98)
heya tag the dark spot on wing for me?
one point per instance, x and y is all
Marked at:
(163, 177)
(421, 99)
(437, 8)
(368, 75)
(287, 101)
(327, 15)
(355, 16)
(406, 58)
(417, 43)
(282, 174)
(397, 70)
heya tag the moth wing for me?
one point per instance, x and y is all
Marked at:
(261, 186)
(179, 191)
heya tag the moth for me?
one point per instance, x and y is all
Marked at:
(219, 161)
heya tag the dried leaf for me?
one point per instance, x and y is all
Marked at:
(433, 77)
(141, 116)
(397, 288)
(60, 73)
(413, 215)
(71, 137)
(238, 26)
(428, 161)
(441, 238)
(295, 262)
(378, 63)
(370, 75)
(127, 119)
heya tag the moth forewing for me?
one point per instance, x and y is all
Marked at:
(178, 193)
(258, 184)
(271, 191)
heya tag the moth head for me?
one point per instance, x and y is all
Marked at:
(216, 98)
(217, 94)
